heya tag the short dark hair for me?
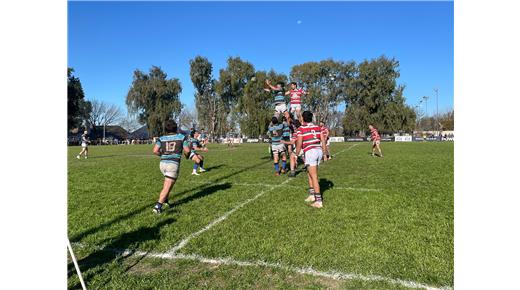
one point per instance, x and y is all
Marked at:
(274, 120)
(297, 123)
(294, 83)
(307, 116)
(280, 83)
(170, 126)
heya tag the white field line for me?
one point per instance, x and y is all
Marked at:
(346, 149)
(183, 243)
(291, 186)
(335, 275)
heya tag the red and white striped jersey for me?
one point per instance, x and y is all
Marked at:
(325, 132)
(374, 135)
(296, 96)
(311, 136)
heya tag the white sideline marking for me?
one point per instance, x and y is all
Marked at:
(335, 275)
(346, 149)
(291, 186)
(183, 243)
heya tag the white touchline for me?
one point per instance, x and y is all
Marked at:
(335, 275)
(346, 149)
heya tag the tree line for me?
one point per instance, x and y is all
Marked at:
(344, 94)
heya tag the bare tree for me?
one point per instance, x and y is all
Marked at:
(130, 123)
(104, 114)
(187, 118)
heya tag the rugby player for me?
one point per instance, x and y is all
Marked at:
(325, 132)
(286, 136)
(277, 147)
(293, 158)
(279, 99)
(84, 145)
(194, 155)
(169, 147)
(312, 142)
(296, 101)
(376, 140)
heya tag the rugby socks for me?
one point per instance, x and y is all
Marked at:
(195, 166)
(311, 191)
(201, 164)
(158, 205)
(318, 197)
(276, 167)
(284, 165)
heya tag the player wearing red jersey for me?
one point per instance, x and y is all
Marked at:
(376, 140)
(296, 99)
(325, 132)
(311, 141)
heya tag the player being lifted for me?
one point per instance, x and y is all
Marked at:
(325, 132)
(169, 147)
(277, 147)
(196, 147)
(376, 140)
(84, 145)
(311, 141)
(296, 100)
(279, 99)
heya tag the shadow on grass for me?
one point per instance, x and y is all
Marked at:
(202, 193)
(92, 265)
(148, 205)
(214, 167)
(325, 184)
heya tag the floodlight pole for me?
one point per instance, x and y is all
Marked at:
(436, 90)
(76, 265)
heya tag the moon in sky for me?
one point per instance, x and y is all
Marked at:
(299, 22)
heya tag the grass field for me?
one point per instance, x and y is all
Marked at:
(387, 223)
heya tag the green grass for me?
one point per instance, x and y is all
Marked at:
(391, 217)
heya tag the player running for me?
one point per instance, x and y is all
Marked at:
(296, 99)
(196, 147)
(169, 147)
(84, 145)
(312, 142)
(275, 131)
(376, 140)
(279, 99)
(325, 132)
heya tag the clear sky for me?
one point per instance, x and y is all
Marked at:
(107, 41)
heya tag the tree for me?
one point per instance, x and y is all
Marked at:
(326, 82)
(129, 123)
(154, 99)
(209, 105)
(187, 118)
(104, 114)
(373, 96)
(256, 105)
(78, 108)
(230, 87)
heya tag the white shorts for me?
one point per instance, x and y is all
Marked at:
(376, 142)
(313, 157)
(83, 145)
(295, 107)
(280, 148)
(280, 108)
(169, 169)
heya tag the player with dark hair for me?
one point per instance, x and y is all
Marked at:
(293, 158)
(169, 147)
(312, 142)
(286, 136)
(280, 106)
(196, 147)
(376, 140)
(275, 131)
(296, 99)
(325, 132)
(84, 145)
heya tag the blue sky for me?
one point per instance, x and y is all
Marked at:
(107, 41)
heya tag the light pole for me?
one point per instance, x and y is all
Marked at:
(436, 90)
